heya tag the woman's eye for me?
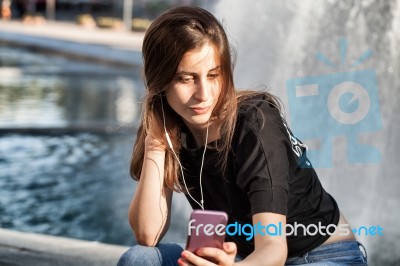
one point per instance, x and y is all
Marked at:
(213, 76)
(185, 79)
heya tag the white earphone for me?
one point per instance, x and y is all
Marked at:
(201, 204)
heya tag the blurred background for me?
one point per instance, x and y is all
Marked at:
(70, 93)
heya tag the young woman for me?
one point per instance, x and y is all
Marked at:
(226, 150)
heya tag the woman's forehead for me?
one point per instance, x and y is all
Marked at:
(204, 58)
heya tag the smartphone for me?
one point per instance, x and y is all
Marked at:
(206, 229)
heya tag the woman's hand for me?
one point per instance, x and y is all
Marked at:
(210, 256)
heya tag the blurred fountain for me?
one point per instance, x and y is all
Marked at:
(277, 40)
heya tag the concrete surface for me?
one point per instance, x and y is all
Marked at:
(21, 248)
(93, 44)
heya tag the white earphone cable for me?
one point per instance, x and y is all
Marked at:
(201, 204)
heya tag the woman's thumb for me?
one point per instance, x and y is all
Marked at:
(229, 247)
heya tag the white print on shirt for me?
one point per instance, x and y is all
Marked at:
(297, 145)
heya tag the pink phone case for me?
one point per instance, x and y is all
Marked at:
(200, 238)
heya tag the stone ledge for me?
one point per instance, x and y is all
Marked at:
(21, 248)
(96, 46)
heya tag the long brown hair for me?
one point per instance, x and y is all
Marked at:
(169, 37)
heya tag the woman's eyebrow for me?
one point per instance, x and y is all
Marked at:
(215, 68)
(183, 72)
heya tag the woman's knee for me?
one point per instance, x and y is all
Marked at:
(139, 255)
(162, 254)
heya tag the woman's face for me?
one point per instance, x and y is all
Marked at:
(196, 86)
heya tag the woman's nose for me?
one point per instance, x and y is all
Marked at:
(203, 88)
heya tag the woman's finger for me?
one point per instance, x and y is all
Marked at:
(192, 259)
(215, 255)
(183, 262)
(230, 248)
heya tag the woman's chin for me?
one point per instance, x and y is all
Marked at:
(198, 120)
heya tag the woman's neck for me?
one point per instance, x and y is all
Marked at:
(200, 133)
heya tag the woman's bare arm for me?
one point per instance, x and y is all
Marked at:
(149, 212)
(269, 250)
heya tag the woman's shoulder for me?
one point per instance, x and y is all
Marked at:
(257, 107)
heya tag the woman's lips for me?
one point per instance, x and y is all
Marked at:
(199, 110)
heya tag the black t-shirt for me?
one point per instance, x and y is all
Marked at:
(267, 171)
